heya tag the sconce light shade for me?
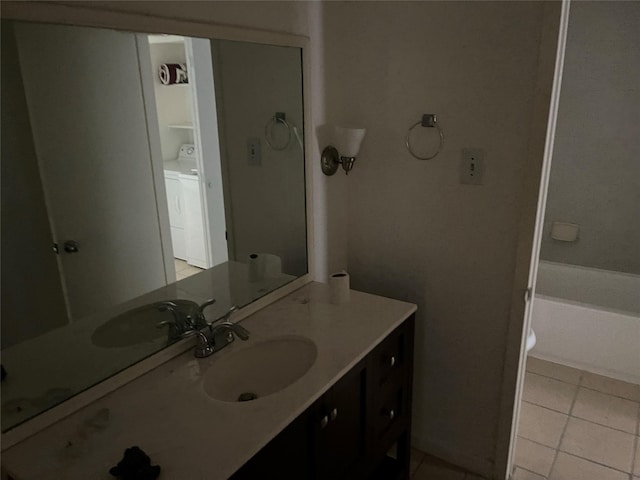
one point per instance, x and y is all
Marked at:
(347, 146)
(348, 140)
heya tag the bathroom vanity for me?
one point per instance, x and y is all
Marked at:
(338, 420)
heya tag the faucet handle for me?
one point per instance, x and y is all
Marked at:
(236, 328)
(211, 301)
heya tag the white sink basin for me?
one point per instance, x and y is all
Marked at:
(261, 369)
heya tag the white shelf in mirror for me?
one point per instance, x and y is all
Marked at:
(181, 126)
(156, 39)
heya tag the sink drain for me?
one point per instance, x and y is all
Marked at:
(247, 396)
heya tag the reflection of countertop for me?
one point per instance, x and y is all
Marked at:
(190, 435)
(44, 370)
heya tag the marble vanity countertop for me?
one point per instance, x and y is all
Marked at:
(190, 435)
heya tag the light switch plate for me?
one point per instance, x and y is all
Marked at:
(472, 166)
(253, 152)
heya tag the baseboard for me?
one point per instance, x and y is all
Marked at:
(479, 466)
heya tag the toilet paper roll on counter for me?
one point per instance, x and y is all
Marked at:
(264, 265)
(340, 291)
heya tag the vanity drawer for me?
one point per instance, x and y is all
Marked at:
(389, 411)
(389, 359)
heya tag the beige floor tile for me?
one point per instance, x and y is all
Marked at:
(636, 468)
(554, 370)
(630, 391)
(614, 412)
(432, 468)
(180, 265)
(415, 460)
(548, 392)
(568, 467)
(534, 457)
(541, 424)
(600, 444)
(520, 474)
(191, 270)
(181, 276)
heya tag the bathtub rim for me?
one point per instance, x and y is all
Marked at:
(590, 306)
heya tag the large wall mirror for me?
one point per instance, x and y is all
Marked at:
(138, 169)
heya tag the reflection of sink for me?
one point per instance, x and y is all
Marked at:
(136, 326)
(260, 370)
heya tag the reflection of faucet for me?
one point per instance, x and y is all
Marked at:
(225, 317)
(187, 316)
(177, 325)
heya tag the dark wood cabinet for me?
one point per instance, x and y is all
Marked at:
(349, 431)
(338, 427)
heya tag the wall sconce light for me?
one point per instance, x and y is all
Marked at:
(348, 141)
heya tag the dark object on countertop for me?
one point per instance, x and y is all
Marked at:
(135, 465)
(3, 373)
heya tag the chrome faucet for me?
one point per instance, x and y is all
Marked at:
(203, 348)
(220, 335)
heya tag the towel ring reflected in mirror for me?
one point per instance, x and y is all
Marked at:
(280, 118)
(428, 120)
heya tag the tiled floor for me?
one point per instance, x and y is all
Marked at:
(426, 467)
(575, 425)
(184, 270)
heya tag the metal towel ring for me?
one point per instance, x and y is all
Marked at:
(428, 120)
(279, 117)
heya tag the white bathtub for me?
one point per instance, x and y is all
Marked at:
(588, 319)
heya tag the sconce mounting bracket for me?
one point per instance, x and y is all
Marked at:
(330, 160)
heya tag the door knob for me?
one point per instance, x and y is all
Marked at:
(71, 246)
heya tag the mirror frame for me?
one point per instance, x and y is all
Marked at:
(65, 14)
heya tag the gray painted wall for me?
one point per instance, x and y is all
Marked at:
(595, 174)
(414, 232)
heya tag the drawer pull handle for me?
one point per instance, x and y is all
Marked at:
(324, 422)
(392, 361)
(389, 413)
(334, 414)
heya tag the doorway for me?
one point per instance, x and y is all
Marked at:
(580, 395)
(181, 74)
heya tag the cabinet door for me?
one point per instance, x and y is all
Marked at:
(286, 457)
(338, 423)
(174, 201)
(176, 217)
